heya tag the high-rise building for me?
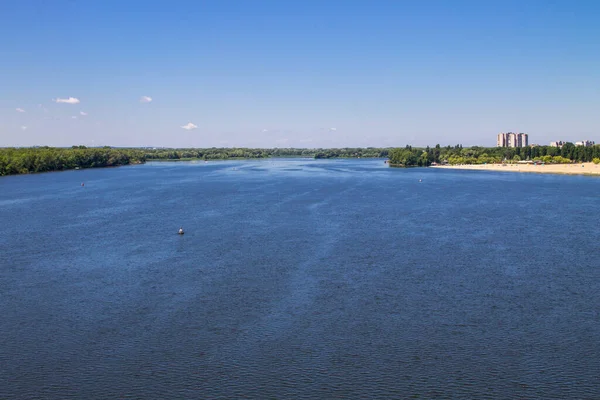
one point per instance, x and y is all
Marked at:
(511, 139)
(501, 141)
(585, 143)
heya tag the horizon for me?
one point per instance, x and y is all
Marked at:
(292, 147)
(190, 74)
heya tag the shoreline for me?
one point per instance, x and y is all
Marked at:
(587, 168)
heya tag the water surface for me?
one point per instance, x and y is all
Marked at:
(298, 279)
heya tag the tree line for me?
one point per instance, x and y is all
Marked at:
(42, 159)
(422, 157)
(45, 159)
(25, 160)
(229, 153)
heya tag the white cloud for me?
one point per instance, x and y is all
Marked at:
(145, 99)
(265, 130)
(23, 128)
(333, 129)
(189, 126)
(70, 100)
(73, 117)
(19, 110)
(82, 113)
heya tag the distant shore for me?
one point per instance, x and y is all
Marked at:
(568, 169)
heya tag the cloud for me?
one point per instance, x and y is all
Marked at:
(23, 128)
(82, 113)
(333, 129)
(189, 126)
(70, 100)
(73, 117)
(19, 110)
(145, 99)
(265, 130)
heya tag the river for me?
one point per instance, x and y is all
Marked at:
(299, 278)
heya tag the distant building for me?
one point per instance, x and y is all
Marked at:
(559, 144)
(511, 139)
(585, 143)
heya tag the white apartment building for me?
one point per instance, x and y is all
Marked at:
(585, 143)
(511, 139)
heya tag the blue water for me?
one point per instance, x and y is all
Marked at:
(299, 279)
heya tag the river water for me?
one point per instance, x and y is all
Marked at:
(299, 279)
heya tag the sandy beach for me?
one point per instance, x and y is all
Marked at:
(570, 169)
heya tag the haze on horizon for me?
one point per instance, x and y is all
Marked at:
(297, 74)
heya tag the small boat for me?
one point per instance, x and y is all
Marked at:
(181, 231)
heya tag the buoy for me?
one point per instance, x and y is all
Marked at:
(180, 231)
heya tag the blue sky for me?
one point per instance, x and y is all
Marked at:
(297, 73)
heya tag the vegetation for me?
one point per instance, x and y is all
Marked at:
(409, 156)
(42, 159)
(228, 153)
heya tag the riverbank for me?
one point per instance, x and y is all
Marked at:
(568, 169)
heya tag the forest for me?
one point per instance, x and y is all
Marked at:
(25, 160)
(422, 157)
